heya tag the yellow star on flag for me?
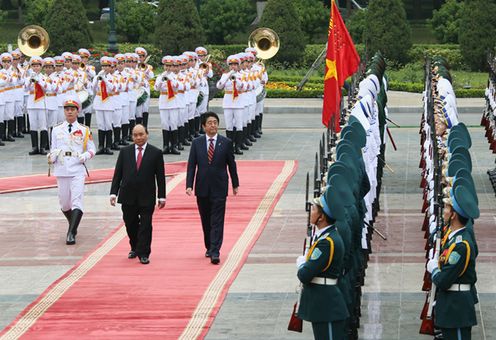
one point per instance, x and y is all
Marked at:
(331, 69)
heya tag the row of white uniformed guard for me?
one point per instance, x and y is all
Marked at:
(120, 94)
(488, 120)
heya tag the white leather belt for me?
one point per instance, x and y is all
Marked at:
(459, 287)
(70, 154)
(325, 281)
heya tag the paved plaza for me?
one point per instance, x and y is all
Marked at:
(33, 253)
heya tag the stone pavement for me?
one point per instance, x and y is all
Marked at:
(259, 303)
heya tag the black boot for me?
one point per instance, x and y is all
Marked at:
(34, 143)
(166, 138)
(197, 126)
(245, 142)
(125, 133)
(108, 143)
(139, 120)
(117, 138)
(201, 126)
(260, 119)
(1, 134)
(145, 119)
(87, 119)
(101, 143)
(186, 137)
(11, 128)
(255, 126)
(67, 215)
(175, 141)
(20, 127)
(43, 142)
(230, 135)
(182, 138)
(191, 133)
(73, 226)
(132, 123)
(80, 120)
(238, 143)
(250, 133)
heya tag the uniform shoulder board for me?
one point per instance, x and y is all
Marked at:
(323, 236)
(459, 239)
(59, 124)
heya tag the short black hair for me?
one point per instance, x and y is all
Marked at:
(208, 115)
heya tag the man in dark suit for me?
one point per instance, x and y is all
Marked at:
(138, 167)
(209, 157)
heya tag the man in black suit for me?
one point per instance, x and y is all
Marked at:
(138, 167)
(209, 157)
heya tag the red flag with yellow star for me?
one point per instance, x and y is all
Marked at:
(342, 61)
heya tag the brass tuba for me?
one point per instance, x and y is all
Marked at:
(33, 40)
(265, 41)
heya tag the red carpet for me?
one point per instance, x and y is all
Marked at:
(107, 296)
(38, 182)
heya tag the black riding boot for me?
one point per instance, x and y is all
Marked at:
(230, 135)
(87, 119)
(43, 142)
(67, 215)
(254, 127)
(175, 141)
(191, 133)
(145, 119)
(182, 138)
(8, 132)
(101, 143)
(132, 123)
(250, 133)
(197, 126)
(186, 138)
(108, 142)
(166, 138)
(260, 124)
(20, 127)
(201, 126)
(1, 133)
(34, 143)
(238, 143)
(245, 142)
(117, 138)
(139, 120)
(80, 120)
(76, 216)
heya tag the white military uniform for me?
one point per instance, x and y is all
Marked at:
(68, 153)
(232, 104)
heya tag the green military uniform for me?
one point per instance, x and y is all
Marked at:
(323, 303)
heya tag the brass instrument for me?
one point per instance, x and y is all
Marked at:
(144, 65)
(204, 64)
(266, 42)
(82, 66)
(33, 40)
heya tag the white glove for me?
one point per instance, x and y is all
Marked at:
(300, 260)
(52, 156)
(432, 264)
(84, 157)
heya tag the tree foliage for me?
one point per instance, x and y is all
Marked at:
(37, 11)
(314, 19)
(357, 25)
(445, 22)
(178, 27)
(281, 16)
(388, 30)
(223, 19)
(477, 32)
(134, 20)
(67, 25)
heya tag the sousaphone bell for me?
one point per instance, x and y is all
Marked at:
(265, 41)
(33, 40)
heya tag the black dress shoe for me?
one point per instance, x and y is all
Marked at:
(215, 260)
(132, 255)
(207, 254)
(144, 260)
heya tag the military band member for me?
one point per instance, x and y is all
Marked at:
(51, 93)
(62, 84)
(20, 104)
(183, 77)
(71, 147)
(36, 85)
(9, 97)
(322, 302)
(4, 80)
(262, 75)
(206, 73)
(146, 75)
(233, 108)
(104, 88)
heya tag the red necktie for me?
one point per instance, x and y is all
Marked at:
(140, 157)
(210, 150)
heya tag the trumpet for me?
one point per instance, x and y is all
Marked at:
(205, 64)
(82, 66)
(233, 77)
(144, 65)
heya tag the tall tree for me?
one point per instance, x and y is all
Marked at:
(314, 19)
(36, 11)
(67, 25)
(178, 27)
(281, 16)
(477, 32)
(445, 21)
(135, 20)
(388, 30)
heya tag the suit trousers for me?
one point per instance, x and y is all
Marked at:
(138, 222)
(212, 211)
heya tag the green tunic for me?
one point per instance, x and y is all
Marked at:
(323, 303)
(455, 309)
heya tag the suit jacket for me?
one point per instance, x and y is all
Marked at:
(137, 187)
(211, 179)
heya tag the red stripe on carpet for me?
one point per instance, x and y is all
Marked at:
(122, 299)
(38, 182)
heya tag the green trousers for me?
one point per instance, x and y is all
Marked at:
(457, 333)
(329, 330)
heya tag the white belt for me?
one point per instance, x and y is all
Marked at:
(325, 281)
(70, 153)
(459, 287)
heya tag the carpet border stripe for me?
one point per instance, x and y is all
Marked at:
(54, 293)
(211, 296)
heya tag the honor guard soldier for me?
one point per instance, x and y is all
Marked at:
(90, 74)
(18, 94)
(232, 85)
(147, 74)
(71, 147)
(9, 97)
(51, 93)
(206, 73)
(36, 85)
(183, 76)
(62, 84)
(121, 117)
(104, 87)
(261, 74)
(4, 81)
(321, 301)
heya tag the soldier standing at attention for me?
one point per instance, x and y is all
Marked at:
(72, 145)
